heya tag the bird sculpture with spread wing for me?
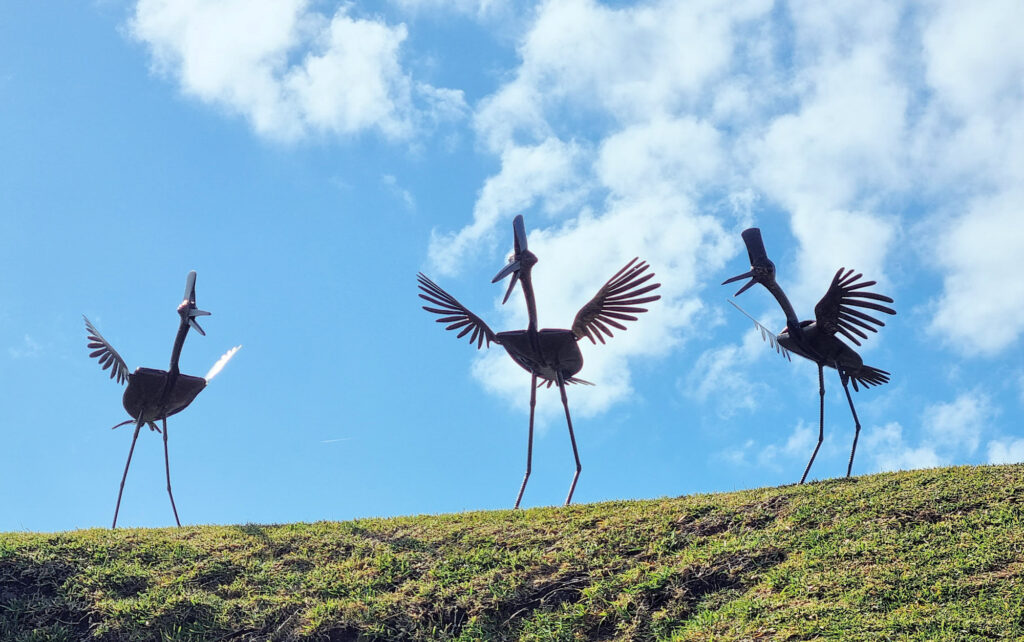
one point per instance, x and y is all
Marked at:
(551, 356)
(840, 311)
(154, 395)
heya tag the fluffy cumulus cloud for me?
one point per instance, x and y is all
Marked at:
(888, 449)
(974, 65)
(290, 70)
(636, 188)
(651, 129)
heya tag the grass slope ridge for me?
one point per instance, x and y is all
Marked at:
(932, 554)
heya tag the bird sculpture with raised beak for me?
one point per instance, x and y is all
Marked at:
(551, 356)
(839, 311)
(154, 395)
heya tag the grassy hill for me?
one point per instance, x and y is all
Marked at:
(923, 555)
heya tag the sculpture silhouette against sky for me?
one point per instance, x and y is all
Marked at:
(816, 340)
(153, 394)
(549, 354)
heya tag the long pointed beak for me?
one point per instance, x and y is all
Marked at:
(511, 268)
(192, 314)
(511, 286)
(762, 269)
(746, 286)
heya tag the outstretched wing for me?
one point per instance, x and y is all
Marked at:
(454, 313)
(837, 311)
(105, 353)
(766, 334)
(615, 301)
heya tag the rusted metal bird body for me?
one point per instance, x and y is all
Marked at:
(838, 312)
(154, 395)
(551, 356)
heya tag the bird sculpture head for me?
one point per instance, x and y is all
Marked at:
(762, 270)
(522, 260)
(188, 309)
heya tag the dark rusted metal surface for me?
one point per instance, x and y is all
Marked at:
(153, 395)
(551, 356)
(840, 311)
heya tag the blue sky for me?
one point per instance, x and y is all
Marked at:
(307, 158)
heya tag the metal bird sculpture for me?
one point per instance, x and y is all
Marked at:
(550, 355)
(153, 394)
(839, 311)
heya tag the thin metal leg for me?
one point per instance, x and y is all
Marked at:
(856, 422)
(117, 509)
(821, 419)
(572, 437)
(167, 467)
(529, 444)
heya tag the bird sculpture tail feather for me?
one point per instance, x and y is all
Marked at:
(766, 334)
(223, 361)
(549, 382)
(867, 376)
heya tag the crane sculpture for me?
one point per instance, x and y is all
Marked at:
(153, 394)
(550, 355)
(836, 312)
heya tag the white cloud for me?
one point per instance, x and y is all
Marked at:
(633, 190)
(797, 447)
(886, 446)
(547, 172)
(405, 196)
(651, 129)
(981, 308)
(1006, 451)
(479, 8)
(290, 71)
(844, 143)
(974, 62)
(950, 432)
(958, 424)
(632, 63)
(723, 373)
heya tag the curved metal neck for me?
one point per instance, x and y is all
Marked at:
(526, 280)
(792, 322)
(179, 341)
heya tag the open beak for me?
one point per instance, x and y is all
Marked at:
(189, 303)
(514, 264)
(759, 262)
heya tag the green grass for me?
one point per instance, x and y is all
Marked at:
(923, 555)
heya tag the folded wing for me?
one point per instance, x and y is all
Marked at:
(454, 313)
(616, 302)
(840, 310)
(106, 354)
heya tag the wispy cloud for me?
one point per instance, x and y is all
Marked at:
(402, 194)
(27, 349)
